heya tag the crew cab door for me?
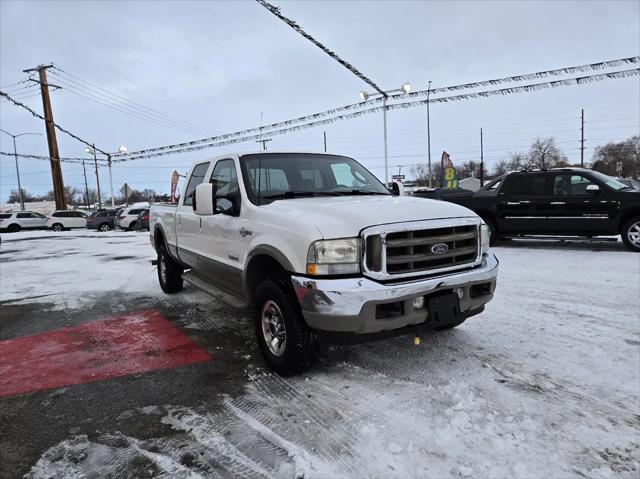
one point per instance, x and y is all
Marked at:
(573, 209)
(522, 201)
(190, 243)
(227, 237)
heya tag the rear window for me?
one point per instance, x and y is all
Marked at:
(4, 216)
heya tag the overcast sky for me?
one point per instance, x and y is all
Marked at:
(220, 64)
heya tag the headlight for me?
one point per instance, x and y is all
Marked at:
(485, 237)
(338, 256)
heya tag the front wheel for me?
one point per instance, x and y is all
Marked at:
(57, 227)
(169, 272)
(104, 227)
(631, 234)
(132, 226)
(287, 344)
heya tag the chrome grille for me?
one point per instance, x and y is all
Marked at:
(404, 251)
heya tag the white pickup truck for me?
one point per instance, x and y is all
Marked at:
(321, 251)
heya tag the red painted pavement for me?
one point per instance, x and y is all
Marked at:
(118, 346)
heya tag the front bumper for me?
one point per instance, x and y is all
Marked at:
(352, 305)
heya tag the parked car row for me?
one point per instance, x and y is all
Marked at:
(132, 218)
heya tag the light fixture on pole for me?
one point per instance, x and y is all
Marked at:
(364, 96)
(15, 154)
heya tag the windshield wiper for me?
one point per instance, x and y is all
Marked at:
(359, 192)
(298, 194)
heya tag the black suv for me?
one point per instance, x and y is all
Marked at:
(564, 201)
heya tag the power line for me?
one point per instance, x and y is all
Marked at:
(121, 99)
(276, 11)
(58, 127)
(46, 158)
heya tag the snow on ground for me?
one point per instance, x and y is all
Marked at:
(545, 383)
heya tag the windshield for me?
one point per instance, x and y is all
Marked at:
(272, 176)
(609, 181)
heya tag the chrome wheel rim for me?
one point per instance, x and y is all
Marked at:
(163, 269)
(57, 228)
(633, 233)
(273, 328)
(104, 228)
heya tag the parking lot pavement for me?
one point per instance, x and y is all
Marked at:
(544, 383)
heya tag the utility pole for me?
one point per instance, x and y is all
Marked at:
(481, 161)
(582, 141)
(95, 163)
(264, 143)
(429, 136)
(54, 156)
(113, 201)
(324, 133)
(86, 186)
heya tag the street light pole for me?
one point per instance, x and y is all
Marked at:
(15, 154)
(364, 96)
(386, 156)
(429, 136)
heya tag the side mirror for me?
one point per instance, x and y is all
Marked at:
(593, 189)
(203, 201)
(228, 204)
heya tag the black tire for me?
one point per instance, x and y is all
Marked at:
(57, 227)
(132, 226)
(631, 234)
(104, 227)
(301, 345)
(14, 228)
(493, 228)
(171, 279)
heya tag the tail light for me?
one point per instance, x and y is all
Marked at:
(145, 218)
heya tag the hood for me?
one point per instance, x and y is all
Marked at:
(346, 216)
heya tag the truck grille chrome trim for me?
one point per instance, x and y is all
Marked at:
(421, 248)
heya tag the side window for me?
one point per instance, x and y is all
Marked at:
(57, 214)
(225, 182)
(37, 215)
(135, 212)
(570, 185)
(23, 215)
(496, 185)
(529, 185)
(197, 177)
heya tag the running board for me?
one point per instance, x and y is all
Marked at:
(220, 294)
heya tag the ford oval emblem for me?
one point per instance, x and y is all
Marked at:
(440, 248)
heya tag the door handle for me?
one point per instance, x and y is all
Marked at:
(558, 203)
(245, 232)
(511, 203)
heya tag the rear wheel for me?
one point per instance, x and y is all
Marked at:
(132, 226)
(169, 272)
(57, 227)
(104, 227)
(13, 228)
(631, 234)
(287, 344)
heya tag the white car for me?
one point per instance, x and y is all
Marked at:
(126, 219)
(22, 220)
(67, 219)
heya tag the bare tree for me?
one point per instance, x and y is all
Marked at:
(469, 169)
(421, 174)
(501, 167)
(545, 154)
(606, 157)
